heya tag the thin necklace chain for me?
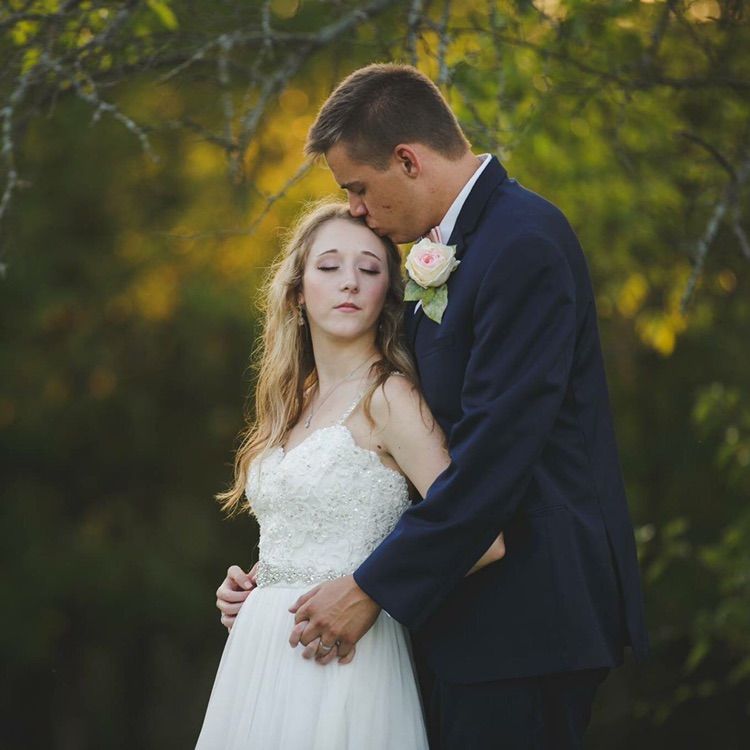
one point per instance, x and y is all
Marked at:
(331, 390)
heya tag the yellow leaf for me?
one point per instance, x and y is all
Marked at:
(30, 59)
(284, 8)
(164, 12)
(632, 295)
(23, 31)
(156, 293)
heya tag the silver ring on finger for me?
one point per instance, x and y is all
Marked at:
(326, 649)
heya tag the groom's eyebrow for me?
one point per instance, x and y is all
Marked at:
(356, 185)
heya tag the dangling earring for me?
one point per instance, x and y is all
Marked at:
(300, 315)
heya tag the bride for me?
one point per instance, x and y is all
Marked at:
(340, 444)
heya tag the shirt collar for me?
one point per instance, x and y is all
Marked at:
(449, 220)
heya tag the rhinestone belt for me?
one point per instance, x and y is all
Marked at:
(269, 574)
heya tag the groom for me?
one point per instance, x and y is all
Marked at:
(515, 377)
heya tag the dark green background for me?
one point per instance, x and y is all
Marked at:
(124, 345)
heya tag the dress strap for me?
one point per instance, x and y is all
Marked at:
(350, 409)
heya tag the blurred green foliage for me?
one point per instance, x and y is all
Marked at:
(134, 246)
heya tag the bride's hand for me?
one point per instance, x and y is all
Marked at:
(495, 552)
(310, 652)
(233, 591)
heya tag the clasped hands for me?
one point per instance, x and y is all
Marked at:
(336, 613)
(331, 617)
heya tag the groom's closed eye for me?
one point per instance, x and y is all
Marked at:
(355, 187)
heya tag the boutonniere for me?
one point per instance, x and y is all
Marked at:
(429, 264)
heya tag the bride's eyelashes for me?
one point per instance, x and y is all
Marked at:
(370, 271)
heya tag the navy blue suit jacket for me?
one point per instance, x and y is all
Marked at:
(515, 377)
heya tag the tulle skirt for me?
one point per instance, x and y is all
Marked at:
(267, 697)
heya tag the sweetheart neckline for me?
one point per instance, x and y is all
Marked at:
(285, 453)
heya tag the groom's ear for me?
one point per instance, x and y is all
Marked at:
(408, 160)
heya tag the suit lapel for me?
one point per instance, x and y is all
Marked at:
(467, 220)
(414, 322)
(475, 203)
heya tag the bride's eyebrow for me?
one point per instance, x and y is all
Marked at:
(363, 252)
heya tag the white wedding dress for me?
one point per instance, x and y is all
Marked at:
(322, 508)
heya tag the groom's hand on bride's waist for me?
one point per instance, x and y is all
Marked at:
(338, 613)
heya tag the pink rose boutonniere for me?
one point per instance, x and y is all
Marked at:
(429, 265)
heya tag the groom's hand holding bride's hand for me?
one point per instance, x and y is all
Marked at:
(339, 612)
(233, 591)
(336, 612)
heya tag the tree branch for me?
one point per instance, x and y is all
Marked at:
(444, 37)
(729, 200)
(413, 23)
(270, 200)
(717, 155)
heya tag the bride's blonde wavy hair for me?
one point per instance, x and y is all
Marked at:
(284, 357)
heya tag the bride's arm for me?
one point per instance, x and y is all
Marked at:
(407, 430)
(495, 552)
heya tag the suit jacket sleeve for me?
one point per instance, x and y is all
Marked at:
(515, 381)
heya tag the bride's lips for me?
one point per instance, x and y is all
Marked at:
(347, 307)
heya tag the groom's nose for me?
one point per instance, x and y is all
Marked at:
(357, 206)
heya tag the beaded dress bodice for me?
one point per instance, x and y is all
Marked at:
(323, 506)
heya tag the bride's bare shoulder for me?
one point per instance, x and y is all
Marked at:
(398, 398)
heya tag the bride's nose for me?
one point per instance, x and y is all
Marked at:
(349, 284)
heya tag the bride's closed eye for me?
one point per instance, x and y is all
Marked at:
(370, 271)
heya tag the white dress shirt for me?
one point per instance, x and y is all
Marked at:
(449, 220)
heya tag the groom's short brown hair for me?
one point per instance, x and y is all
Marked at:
(379, 106)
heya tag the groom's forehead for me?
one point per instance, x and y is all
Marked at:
(337, 156)
(347, 171)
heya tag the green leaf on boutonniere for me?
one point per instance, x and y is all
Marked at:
(428, 295)
(413, 291)
(434, 299)
(434, 307)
